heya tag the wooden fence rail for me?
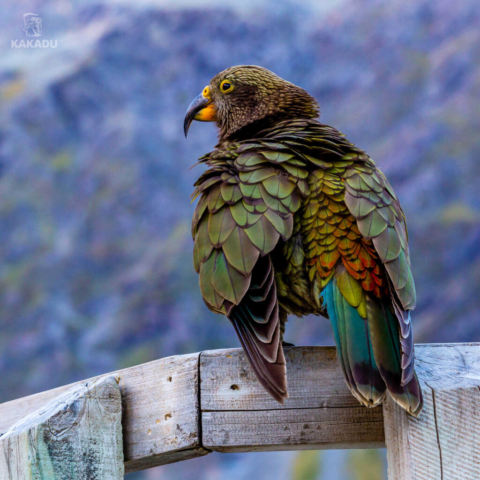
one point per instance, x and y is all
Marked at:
(187, 406)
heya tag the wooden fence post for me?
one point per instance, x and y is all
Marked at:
(444, 442)
(75, 436)
(187, 406)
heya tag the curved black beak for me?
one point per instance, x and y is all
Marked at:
(201, 109)
(198, 104)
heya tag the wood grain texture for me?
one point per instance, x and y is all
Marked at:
(186, 406)
(238, 415)
(76, 436)
(444, 442)
(161, 421)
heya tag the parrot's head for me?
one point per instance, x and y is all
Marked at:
(245, 99)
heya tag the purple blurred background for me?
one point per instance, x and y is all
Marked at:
(96, 271)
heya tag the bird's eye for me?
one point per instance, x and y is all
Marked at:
(226, 86)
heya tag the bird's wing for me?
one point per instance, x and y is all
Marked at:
(372, 201)
(247, 201)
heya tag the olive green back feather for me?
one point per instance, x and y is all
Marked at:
(306, 208)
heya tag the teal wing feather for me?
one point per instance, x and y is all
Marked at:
(354, 347)
(383, 326)
(373, 203)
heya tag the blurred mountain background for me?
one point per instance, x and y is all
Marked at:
(96, 271)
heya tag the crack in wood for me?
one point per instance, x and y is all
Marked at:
(437, 433)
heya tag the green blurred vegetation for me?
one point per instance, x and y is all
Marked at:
(365, 465)
(307, 465)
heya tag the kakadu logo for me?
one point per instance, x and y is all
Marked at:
(33, 28)
(33, 25)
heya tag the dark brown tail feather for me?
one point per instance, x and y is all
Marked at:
(272, 376)
(258, 326)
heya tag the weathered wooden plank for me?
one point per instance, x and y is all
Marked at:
(444, 442)
(238, 415)
(160, 411)
(162, 401)
(293, 429)
(314, 380)
(76, 436)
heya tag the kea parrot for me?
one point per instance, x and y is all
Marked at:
(293, 219)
